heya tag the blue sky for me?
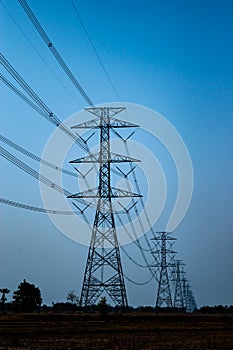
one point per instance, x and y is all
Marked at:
(173, 57)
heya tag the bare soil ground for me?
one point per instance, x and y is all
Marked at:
(115, 332)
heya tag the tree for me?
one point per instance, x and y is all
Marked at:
(4, 291)
(102, 306)
(27, 298)
(72, 297)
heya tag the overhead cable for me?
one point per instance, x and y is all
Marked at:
(54, 51)
(23, 97)
(38, 104)
(94, 48)
(33, 156)
(14, 160)
(152, 250)
(6, 64)
(37, 51)
(133, 260)
(37, 209)
(138, 283)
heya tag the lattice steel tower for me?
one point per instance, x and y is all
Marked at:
(103, 271)
(190, 302)
(179, 276)
(164, 290)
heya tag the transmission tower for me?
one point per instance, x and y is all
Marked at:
(164, 290)
(103, 272)
(190, 300)
(178, 294)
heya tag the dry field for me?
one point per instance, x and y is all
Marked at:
(78, 331)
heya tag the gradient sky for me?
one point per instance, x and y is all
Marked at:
(172, 56)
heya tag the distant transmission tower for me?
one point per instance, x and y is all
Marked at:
(178, 294)
(103, 271)
(164, 291)
(190, 302)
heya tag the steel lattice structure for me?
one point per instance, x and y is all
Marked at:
(103, 272)
(178, 294)
(164, 291)
(190, 302)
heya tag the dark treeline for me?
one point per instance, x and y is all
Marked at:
(67, 307)
(217, 309)
(27, 299)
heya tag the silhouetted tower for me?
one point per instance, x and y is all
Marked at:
(190, 300)
(103, 271)
(178, 294)
(165, 262)
(184, 282)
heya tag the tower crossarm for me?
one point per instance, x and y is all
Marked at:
(96, 124)
(110, 111)
(117, 123)
(96, 158)
(118, 158)
(161, 239)
(115, 193)
(166, 251)
(91, 124)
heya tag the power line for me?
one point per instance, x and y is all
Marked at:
(133, 260)
(6, 64)
(33, 156)
(39, 105)
(138, 283)
(14, 160)
(23, 97)
(37, 209)
(142, 204)
(38, 53)
(94, 48)
(23, 166)
(136, 241)
(54, 51)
